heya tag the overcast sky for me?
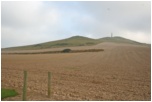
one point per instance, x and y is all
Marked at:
(26, 22)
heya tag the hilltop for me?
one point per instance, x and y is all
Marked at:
(75, 41)
(118, 39)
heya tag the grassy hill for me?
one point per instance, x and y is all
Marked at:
(118, 40)
(74, 41)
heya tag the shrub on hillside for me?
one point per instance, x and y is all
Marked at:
(66, 50)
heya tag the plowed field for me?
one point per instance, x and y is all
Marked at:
(120, 72)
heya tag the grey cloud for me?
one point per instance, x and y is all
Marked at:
(118, 16)
(26, 23)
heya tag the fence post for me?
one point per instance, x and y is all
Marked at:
(24, 85)
(49, 84)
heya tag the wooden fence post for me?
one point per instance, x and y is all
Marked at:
(25, 86)
(49, 84)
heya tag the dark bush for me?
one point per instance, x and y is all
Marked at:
(66, 50)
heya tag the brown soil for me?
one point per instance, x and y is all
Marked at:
(120, 72)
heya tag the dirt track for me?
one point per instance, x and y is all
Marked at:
(120, 72)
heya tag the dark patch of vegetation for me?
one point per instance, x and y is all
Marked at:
(66, 50)
(62, 51)
(8, 93)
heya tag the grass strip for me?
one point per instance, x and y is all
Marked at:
(8, 93)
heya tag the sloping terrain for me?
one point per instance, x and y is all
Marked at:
(73, 42)
(120, 72)
(118, 40)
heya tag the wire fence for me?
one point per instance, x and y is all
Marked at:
(27, 81)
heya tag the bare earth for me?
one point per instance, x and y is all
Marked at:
(120, 72)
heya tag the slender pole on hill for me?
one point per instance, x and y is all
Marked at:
(49, 84)
(24, 86)
(111, 35)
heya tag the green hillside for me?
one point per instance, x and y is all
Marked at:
(69, 42)
(118, 40)
(74, 41)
